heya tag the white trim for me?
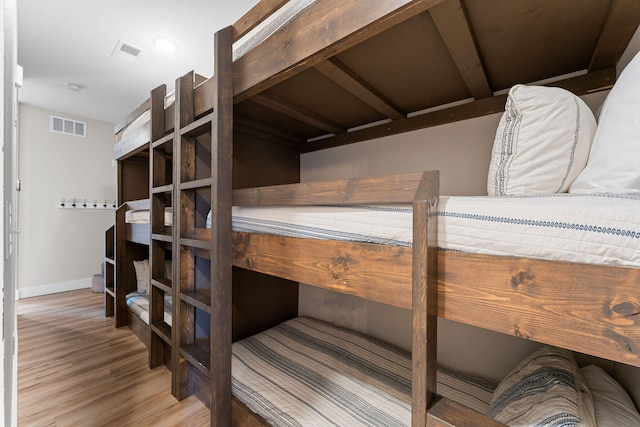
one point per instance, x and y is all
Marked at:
(54, 288)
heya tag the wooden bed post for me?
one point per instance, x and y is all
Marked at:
(424, 298)
(221, 200)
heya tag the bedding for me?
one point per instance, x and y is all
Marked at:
(542, 142)
(616, 140)
(598, 229)
(144, 118)
(272, 24)
(143, 275)
(350, 379)
(546, 388)
(143, 216)
(613, 406)
(138, 303)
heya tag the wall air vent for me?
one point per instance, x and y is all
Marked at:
(127, 51)
(67, 126)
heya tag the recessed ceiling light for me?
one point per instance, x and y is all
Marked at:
(74, 87)
(165, 45)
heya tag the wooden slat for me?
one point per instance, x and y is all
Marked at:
(343, 267)
(330, 27)
(447, 413)
(424, 288)
(452, 23)
(261, 131)
(244, 417)
(157, 116)
(616, 34)
(356, 85)
(120, 278)
(580, 85)
(221, 196)
(256, 15)
(399, 188)
(586, 308)
(298, 113)
(204, 93)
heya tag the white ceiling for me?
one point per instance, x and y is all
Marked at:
(71, 41)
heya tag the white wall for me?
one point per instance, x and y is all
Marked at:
(61, 249)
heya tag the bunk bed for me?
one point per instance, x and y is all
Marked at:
(333, 73)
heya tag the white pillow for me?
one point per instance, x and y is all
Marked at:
(614, 407)
(141, 276)
(542, 142)
(546, 386)
(614, 161)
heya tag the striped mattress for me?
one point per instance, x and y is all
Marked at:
(138, 303)
(306, 372)
(596, 229)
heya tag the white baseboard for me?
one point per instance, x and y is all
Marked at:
(53, 288)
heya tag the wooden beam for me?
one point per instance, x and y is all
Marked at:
(400, 188)
(580, 85)
(447, 413)
(132, 116)
(448, 115)
(298, 113)
(221, 196)
(263, 131)
(356, 85)
(255, 16)
(424, 298)
(588, 308)
(451, 20)
(324, 30)
(620, 26)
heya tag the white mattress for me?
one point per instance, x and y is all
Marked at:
(143, 216)
(308, 372)
(599, 229)
(138, 303)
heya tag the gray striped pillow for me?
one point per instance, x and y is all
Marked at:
(545, 389)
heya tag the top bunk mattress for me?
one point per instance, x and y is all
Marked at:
(595, 229)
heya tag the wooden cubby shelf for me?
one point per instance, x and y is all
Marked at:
(197, 299)
(199, 357)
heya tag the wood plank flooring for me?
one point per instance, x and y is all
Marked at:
(76, 369)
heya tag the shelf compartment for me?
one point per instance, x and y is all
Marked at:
(198, 127)
(195, 157)
(162, 238)
(195, 208)
(167, 139)
(162, 189)
(162, 330)
(196, 184)
(198, 298)
(199, 357)
(163, 284)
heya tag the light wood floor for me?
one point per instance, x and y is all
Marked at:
(76, 369)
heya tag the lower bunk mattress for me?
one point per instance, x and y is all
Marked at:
(308, 372)
(138, 303)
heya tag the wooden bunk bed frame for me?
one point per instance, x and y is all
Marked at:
(558, 303)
